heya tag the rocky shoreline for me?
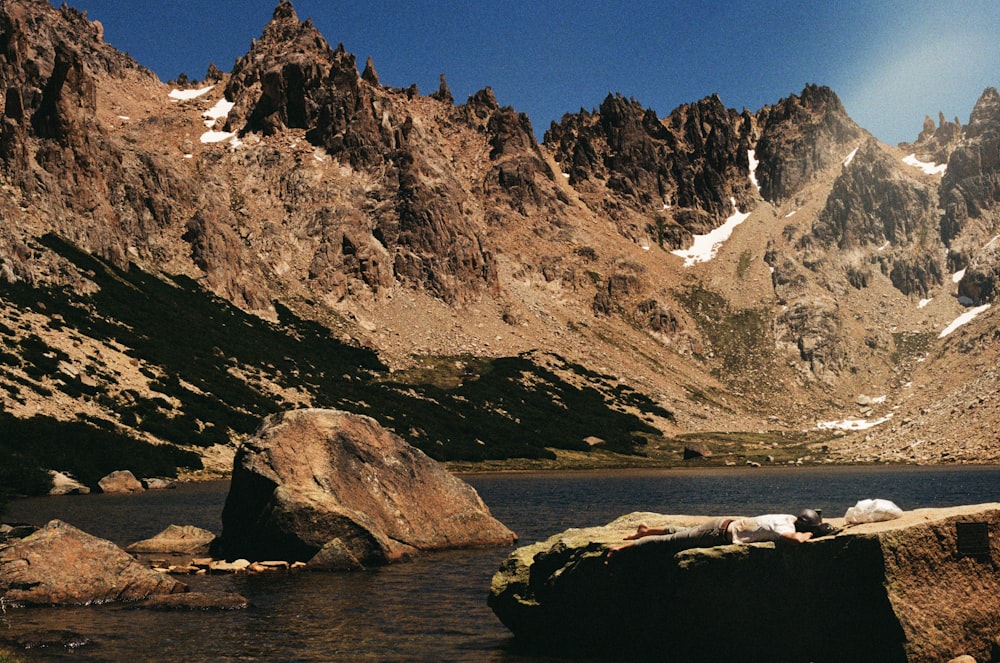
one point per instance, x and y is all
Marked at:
(321, 490)
(332, 491)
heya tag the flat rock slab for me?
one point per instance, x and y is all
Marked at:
(878, 592)
(176, 539)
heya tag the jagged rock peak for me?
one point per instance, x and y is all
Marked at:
(799, 136)
(287, 31)
(932, 131)
(694, 160)
(970, 188)
(857, 212)
(485, 97)
(369, 74)
(288, 76)
(986, 113)
(31, 30)
(443, 93)
(284, 11)
(936, 142)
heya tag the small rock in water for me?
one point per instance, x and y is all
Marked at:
(120, 481)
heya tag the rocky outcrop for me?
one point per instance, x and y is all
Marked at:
(518, 166)
(62, 565)
(800, 136)
(809, 327)
(981, 282)
(970, 194)
(971, 185)
(892, 591)
(435, 246)
(312, 477)
(418, 234)
(914, 273)
(175, 539)
(873, 203)
(291, 78)
(695, 159)
(55, 148)
(936, 142)
(875, 209)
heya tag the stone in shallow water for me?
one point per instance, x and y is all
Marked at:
(62, 565)
(175, 539)
(120, 481)
(312, 476)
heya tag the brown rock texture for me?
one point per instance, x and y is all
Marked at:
(693, 162)
(310, 477)
(186, 539)
(800, 136)
(120, 481)
(882, 592)
(971, 185)
(62, 565)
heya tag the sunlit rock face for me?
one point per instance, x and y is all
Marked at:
(62, 565)
(800, 136)
(311, 477)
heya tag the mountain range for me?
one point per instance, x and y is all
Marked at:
(179, 260)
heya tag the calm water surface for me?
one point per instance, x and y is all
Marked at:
(434, 608)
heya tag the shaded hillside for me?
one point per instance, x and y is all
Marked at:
(208, 373)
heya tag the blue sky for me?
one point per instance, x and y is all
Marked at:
(891, 63)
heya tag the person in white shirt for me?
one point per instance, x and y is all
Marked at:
(725, 531)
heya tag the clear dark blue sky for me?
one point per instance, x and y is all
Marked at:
(891, 62)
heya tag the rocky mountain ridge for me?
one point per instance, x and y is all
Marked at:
(437, 235)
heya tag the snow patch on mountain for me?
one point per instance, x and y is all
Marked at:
(852, 424)
(965, 318)
(927, 167)
(186, 95)
(219, 110)
(705, 247)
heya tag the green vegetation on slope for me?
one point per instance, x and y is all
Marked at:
(740, 339)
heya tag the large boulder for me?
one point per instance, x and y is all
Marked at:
(310, 477)
(892, 591)
(62, 565)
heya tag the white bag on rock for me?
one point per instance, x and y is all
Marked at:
(872, 511)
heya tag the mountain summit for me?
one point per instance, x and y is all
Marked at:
(179, 260)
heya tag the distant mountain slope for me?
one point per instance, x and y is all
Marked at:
(632, 278)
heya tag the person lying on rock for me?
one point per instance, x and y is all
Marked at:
(724, 531)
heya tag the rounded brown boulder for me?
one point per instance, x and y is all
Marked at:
(62, 565)
(311, 476)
